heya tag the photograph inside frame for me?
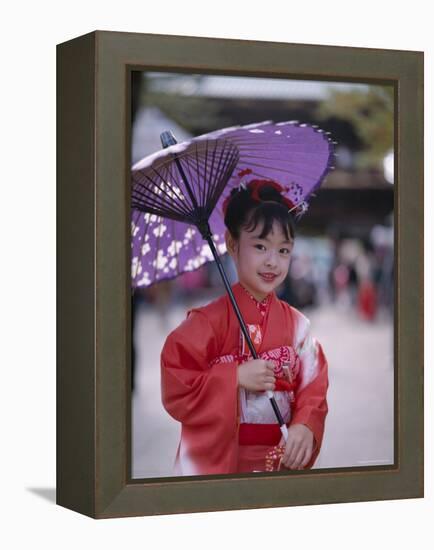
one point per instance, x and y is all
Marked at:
(262, 274)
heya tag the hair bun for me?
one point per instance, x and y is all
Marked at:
(268, 192)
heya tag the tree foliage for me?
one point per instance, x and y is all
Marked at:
(371, 114)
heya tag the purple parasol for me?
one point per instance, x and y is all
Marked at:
(165, 239)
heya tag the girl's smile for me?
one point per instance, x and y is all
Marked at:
(268, 277)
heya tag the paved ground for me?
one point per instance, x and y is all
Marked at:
(359, 427)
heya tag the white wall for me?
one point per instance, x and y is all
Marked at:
(30, 32)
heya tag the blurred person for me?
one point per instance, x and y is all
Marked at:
(382, 238)
(353, 283)
(209, 381)
(302, 280)
(286, 293)
(367, 292)
(340, 281)
(367, 300)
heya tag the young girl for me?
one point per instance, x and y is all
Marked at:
(209, 380)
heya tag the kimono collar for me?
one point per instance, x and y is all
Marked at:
(262, 305)
(252, 310)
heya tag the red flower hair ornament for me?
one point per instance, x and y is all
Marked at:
(255, 187)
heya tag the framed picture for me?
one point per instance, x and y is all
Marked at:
(356, 267)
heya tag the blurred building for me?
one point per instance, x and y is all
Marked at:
(349, 202)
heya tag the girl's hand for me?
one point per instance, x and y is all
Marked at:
(298, 447)
(256, 375)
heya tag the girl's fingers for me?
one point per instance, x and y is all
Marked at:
(269, 382)
(270, 368)
(297, 461)
(306, 458)
(293, 454)
(288, 450)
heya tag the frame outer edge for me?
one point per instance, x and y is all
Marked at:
(75, 385)
(112, 306)
(410, 269)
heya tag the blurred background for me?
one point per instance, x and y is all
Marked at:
(341, 273)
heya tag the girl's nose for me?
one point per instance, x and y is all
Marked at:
(271, 259)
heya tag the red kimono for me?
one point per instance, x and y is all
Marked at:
(226, 429)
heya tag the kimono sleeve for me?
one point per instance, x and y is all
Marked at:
(311, 396)
(195, 394)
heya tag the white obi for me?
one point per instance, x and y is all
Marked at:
(255, 407)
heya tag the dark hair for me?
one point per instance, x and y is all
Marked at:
(243, 211)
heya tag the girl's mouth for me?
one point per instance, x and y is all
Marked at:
(267, 277)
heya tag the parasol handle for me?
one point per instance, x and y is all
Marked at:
(208, 237)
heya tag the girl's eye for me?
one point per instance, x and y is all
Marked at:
(259, 246)
(285, 250)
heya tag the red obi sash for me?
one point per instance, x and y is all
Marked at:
(259, 434)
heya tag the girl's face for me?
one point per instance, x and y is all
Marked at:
(257, 259)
